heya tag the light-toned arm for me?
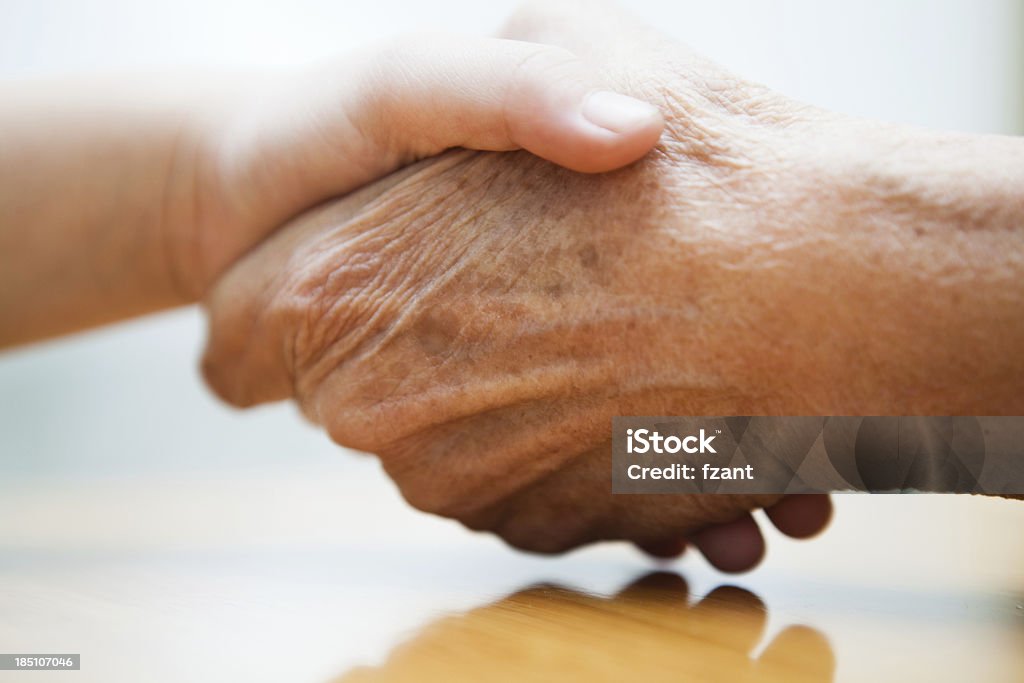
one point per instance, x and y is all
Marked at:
(91, 174)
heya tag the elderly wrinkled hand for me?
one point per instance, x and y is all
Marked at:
(478, 319)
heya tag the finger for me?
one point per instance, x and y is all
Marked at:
(246, 357)
(243, 362)
(666, 549)
(578, 481)
(661, 596)
(733, 616)
(798, 653)
(801, 516)
(662, 586)
(655, 594)
(735, 546)
(341, 125)
(435, 92)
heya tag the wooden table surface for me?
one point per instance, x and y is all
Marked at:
(325, 575)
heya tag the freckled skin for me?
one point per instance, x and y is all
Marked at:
(477, 319)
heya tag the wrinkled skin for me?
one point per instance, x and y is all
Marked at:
(476, 320)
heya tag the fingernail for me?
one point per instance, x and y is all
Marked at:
(618, 113)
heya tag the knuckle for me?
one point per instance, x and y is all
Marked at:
(219, 377)
(541, 64)
(538, 526)
(221, 358)
(543, 540)
(382, 90)
(541, 73)
(350, 424)
(426, 494)
(397, 58)
(245, 360)
(432, 482)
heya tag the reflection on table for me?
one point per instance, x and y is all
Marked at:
(647, 630)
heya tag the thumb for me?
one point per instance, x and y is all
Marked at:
(342, 125)
(429, 93)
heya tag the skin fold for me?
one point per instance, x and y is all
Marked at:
(476, 320)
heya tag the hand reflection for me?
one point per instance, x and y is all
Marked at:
(648, 630)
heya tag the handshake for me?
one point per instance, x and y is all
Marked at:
(475, 316)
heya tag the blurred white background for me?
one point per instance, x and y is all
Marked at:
(113, 454)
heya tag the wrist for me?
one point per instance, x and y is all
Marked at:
(100, 178)
(853, 267)
(918, 246)
(256, 162)
(208, 220)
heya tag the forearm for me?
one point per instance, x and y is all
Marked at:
(916, 278)
(91, 176)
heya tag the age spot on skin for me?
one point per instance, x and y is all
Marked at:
(436, 333)
(589, 257)
(555, 290)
